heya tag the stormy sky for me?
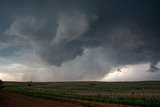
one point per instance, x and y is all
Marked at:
(74, 40)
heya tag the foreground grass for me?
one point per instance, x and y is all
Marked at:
(73, 98)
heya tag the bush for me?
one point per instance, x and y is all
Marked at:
(1, 82)
(29, 83)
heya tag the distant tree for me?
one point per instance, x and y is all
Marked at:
(30, 83)
(1, 82)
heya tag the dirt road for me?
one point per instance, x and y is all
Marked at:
(16, 100)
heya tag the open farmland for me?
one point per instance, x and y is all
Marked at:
(145, 93)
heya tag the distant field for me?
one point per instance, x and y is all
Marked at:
(146, 93)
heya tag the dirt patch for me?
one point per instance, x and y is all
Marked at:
(17, 100)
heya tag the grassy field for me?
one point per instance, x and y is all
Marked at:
(146, 93)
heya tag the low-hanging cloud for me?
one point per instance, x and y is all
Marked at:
(122, 34)
(153, 66)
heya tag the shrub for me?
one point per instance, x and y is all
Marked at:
(1, 82)
(30, 83)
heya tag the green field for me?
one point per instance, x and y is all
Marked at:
(145, 93)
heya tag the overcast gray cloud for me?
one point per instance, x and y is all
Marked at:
(105, 34)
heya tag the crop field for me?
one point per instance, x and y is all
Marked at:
(145, 93)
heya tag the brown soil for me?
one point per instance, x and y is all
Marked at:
(16, 100)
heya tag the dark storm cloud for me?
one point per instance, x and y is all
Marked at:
(153, 66)
(60, 30)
